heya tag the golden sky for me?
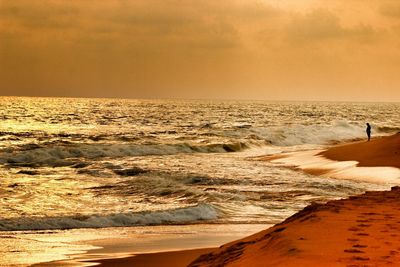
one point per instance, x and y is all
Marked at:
(266, 49)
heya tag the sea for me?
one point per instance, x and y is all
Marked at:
(71, 167)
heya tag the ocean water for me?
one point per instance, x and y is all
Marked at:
(99, 163)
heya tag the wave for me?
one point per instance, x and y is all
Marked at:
(319, 134)
(59, 153)
(186, 215)
(64, 155)
(388, 129)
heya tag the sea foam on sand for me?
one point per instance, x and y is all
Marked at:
(377, 161)
(314, 163)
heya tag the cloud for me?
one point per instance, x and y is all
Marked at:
(38, 14)
(196, 24)
(390, 10)
(167, 47)
(324, 26)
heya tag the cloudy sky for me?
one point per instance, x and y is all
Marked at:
(247, 49)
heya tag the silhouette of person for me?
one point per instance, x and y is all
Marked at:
(368, 131)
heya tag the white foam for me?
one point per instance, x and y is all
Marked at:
(177, 216)
(56, 155)
(340, 169)
(291, 136)
(311, 134)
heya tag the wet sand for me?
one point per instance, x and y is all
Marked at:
(165, 259)
(150, 245)
(377, 161)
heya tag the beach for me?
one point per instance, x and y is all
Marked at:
(379, 152)
(358, 231)
(91, 182)
(199, 133)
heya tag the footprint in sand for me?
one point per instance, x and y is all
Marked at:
(358, 231)
(362, 234)
(364, 221)
(353, 250)
(359, 246)
(360, 258)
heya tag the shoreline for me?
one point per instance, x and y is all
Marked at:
(377, 161)
(379, 152)
(357, 231)
(298, 239)
(179, 258)
(148, 242)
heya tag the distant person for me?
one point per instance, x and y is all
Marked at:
(368, 131)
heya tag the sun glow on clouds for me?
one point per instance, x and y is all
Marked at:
(327, 50)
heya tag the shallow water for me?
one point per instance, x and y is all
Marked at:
(96, 163)
(75, 247)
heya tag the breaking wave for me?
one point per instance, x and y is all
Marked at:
(388, 129)
(192, 214)
(311, 134)
(64, 155)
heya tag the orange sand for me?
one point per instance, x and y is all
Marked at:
(384, 151)
(360, 231)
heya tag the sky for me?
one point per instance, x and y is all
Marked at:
(329, 50)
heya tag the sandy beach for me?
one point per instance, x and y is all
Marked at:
(199, 133)
(381, 151)
(358, 231)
